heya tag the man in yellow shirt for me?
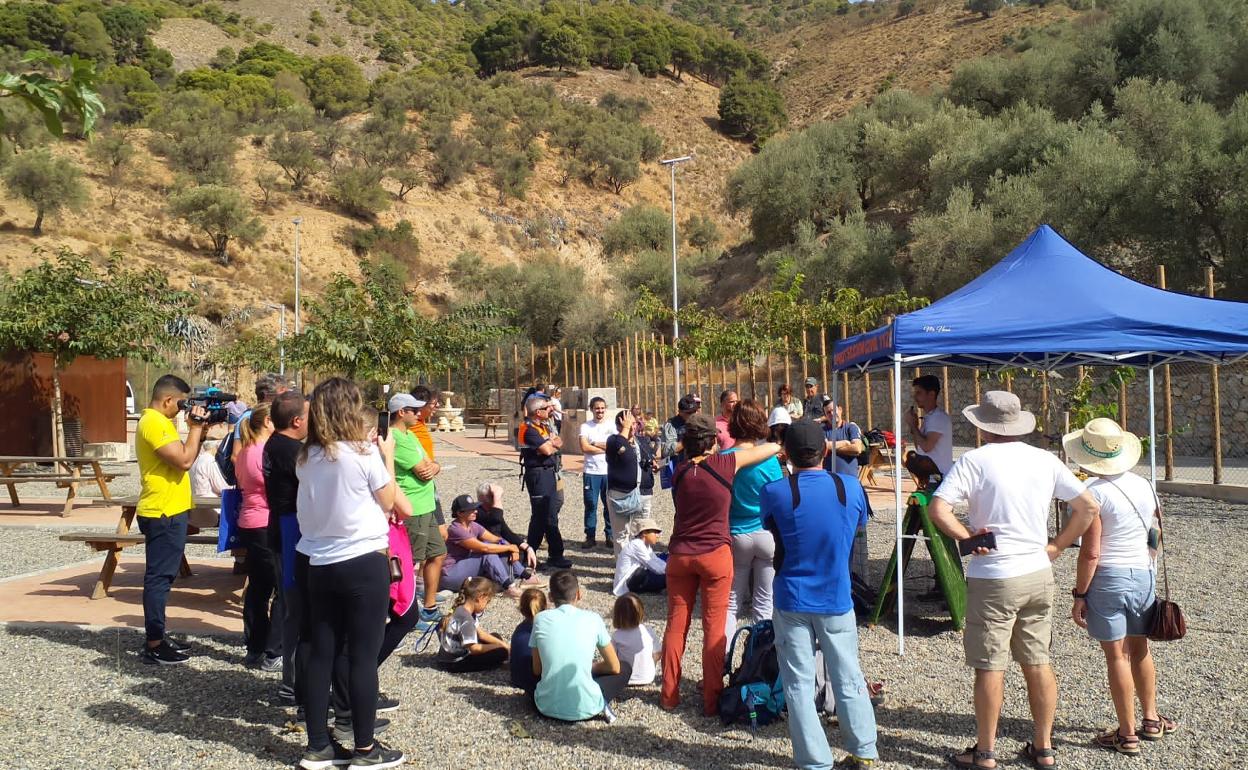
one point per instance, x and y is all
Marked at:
(164, 505)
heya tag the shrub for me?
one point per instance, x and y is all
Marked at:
(984, 8)
(336, 85)
(48, 183)
(359, 192)
(452, 158)
(637, 229)
(221, 213)
(398, 242)
(751, 109)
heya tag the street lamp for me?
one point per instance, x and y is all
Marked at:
(297, 221)
(281, 337)
(671, 163)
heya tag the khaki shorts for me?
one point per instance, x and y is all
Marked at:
(1009, 616)
(427, 542)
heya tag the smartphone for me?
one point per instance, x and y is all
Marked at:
(986, 540)
(383, 424)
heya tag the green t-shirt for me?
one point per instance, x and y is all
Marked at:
(409, 453)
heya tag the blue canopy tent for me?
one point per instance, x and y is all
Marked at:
(1047, 306)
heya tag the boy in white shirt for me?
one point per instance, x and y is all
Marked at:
(638, 568)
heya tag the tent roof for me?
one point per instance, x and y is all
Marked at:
(1048, 306)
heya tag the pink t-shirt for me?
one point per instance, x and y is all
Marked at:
(721, 434)
(249, 469)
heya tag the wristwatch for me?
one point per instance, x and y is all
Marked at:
(1074, 592)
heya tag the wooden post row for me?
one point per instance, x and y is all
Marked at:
(1215, 398)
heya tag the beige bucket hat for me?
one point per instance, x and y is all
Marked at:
(1000, 412)
(1103, 447)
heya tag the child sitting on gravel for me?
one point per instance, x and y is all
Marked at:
(532, 601)
(634, 641)
(464, 646)
(638, 568)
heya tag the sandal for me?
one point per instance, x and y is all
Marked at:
(1034, 755)
(977, 757)
(1114, 740)
(1156, 729)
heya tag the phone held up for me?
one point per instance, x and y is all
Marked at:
(383, 424)
(985, 540)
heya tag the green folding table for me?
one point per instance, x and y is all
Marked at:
(944, 553)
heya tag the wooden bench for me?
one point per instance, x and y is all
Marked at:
(68, 476)
(491, 423)
(121, 538)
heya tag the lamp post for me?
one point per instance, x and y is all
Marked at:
(281, 338)
(671, 164)
(296, 221)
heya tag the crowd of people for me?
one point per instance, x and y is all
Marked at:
(348, 552)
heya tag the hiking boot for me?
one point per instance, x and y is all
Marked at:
(162, 654)
(429, 619)
(271, 664)
(333, 755)
(589, 542)
(850, 762)
(344, 729)
(380, 756)
(386, 704)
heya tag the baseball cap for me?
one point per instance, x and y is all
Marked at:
(463, 503)
(700, 426)
(812, 381)
(689, 403)
(779, 416)
(805, 443)
(403, 401)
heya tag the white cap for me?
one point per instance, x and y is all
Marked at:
(779, 416)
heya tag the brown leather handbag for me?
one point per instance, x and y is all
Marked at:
(1169, 624)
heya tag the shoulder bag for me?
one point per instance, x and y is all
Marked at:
(1169, 625)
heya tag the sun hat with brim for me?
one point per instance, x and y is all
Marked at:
(1103, 447)
(645, 524)
(1001, 413)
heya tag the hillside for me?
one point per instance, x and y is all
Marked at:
(828, 67)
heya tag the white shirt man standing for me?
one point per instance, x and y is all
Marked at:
(932, 434)
(594, 435)
(1009, 486)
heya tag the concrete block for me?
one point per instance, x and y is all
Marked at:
(112, 451)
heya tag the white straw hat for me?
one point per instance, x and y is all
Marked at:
(1000, 412)
(1103, 447)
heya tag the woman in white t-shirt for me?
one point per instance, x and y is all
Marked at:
(1115, 590)
(633, 640)
(346, 495)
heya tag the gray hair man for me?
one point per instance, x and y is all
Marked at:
(1009, 486)
(539, 459)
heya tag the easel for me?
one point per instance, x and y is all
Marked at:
(944, 553)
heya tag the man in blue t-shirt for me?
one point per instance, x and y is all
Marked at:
(844, 442)
(813, 517)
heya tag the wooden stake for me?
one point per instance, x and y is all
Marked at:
(663, 369)
(550, 366)
(566, 374)
(823, 357)
(788, 359)
(847, 406)
(1216, 398)
(979, 437)
(515, 370)
(532, 364)
(770, 379)
(866, 380)
(805, 361)
(1167, 397)
(736, 365)
(944, 375)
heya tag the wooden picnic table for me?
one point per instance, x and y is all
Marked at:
(68, 475)
(204, 511)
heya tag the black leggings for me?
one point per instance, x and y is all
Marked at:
(265, 634)
(398, 627)
(483, 662)
(348, 601)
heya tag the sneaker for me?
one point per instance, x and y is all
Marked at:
(380, 756)
(608, 714)
(271, 664)
(850, 762)
(162, 654)
(386, 704)
(429, 619)
(560, 563)
(286, 695)
(589, 542)
(177, 644)
(253, 659)
(343, 730)
(333, 755)
(533, 580)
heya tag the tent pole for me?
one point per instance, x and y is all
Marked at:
(901, 618)
(1152, 427)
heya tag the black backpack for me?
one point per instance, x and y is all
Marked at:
(754, 693)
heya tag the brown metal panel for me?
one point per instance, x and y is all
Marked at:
(94, 392)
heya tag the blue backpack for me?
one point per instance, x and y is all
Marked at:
(754, 693)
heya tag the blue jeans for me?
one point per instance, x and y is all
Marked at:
(164, 545)
(797, 633)
(494, 566)
(595, 496)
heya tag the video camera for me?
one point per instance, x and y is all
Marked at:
(214, 401)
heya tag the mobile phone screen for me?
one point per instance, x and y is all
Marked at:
(383, 424)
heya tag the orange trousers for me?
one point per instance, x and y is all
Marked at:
(711, 574)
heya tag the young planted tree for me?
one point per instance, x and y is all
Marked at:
(270, 184)
(67, 307)
(221, 213)
(115, 155)
(46, 182)
(296, 155)
(359, 192)
(407, 179)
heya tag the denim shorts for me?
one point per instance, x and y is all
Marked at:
(1120, 603)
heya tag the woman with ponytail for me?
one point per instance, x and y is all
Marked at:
(264, 637)
(532, 601)
(463, 645)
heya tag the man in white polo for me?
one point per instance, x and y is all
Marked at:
(1009, 486)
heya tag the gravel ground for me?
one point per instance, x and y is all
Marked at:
(87, 702)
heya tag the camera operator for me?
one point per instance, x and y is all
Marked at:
(164, 505)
